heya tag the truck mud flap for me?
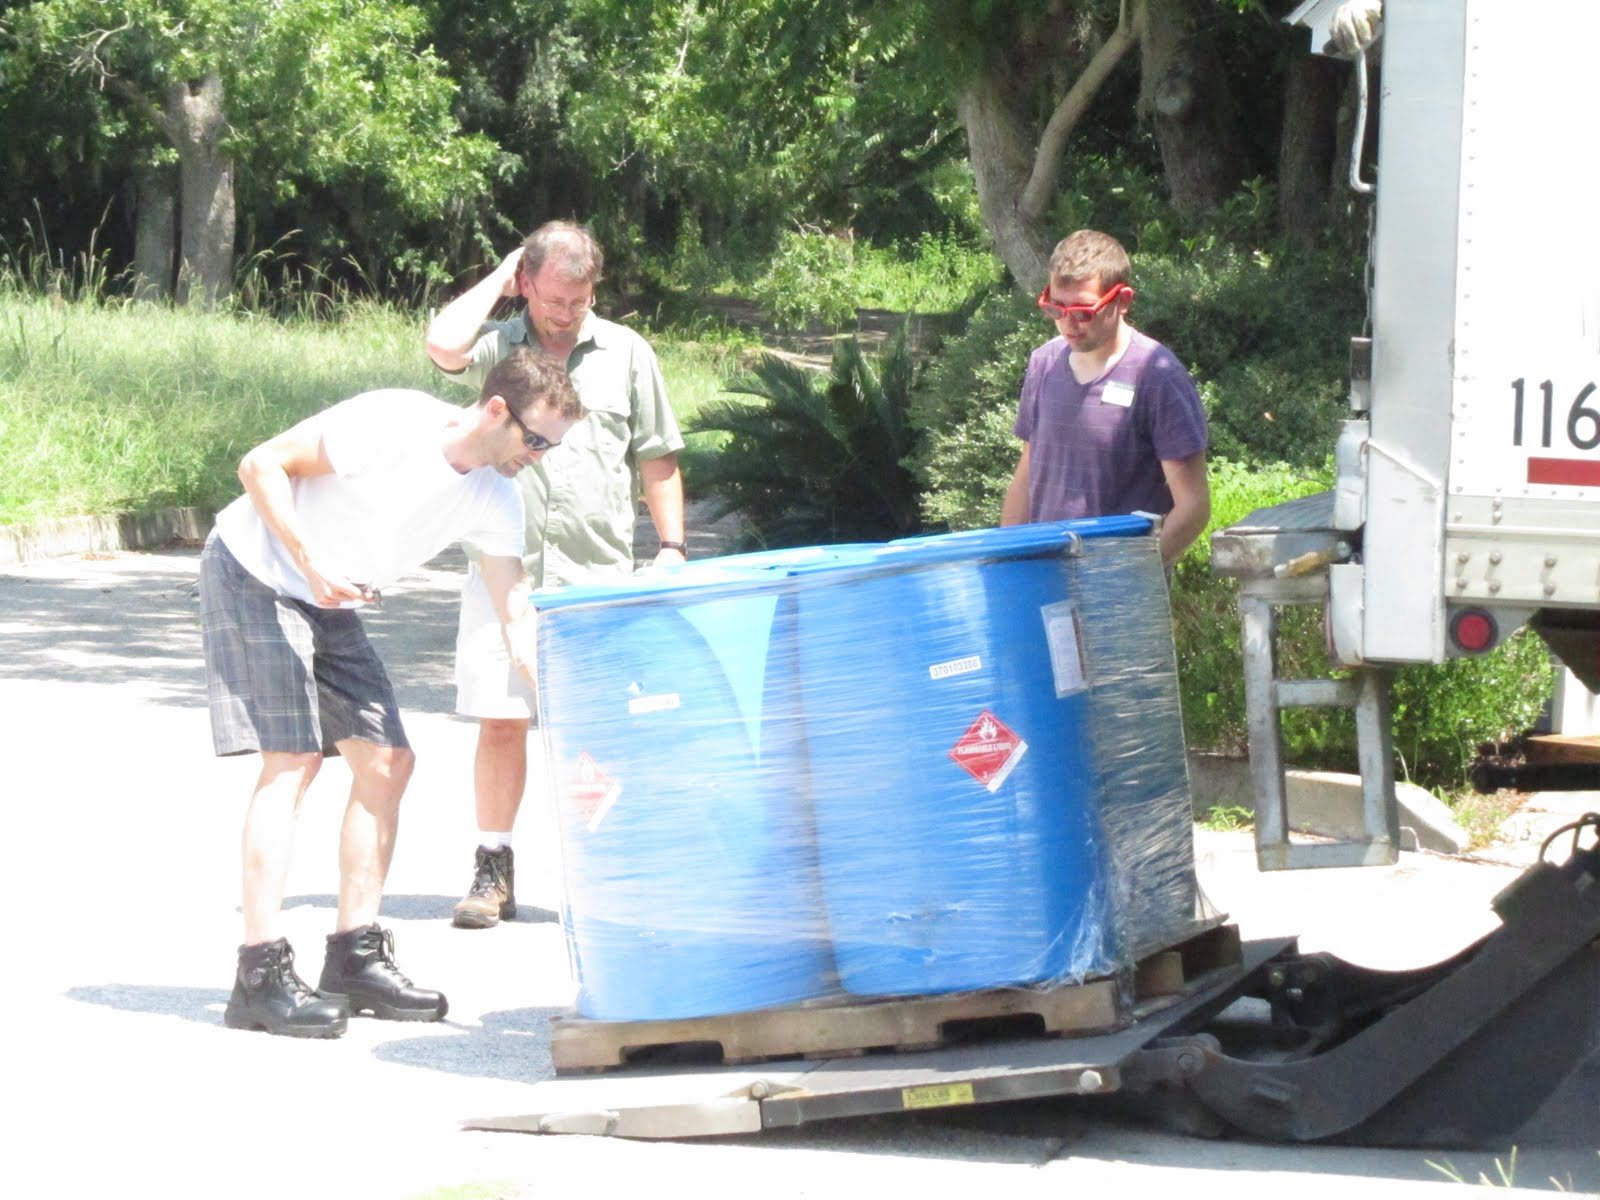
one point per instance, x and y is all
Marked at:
(1459, 1055)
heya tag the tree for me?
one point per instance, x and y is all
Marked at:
(516, 63)
(1034, 81)
(637, 116)
(1015, 82)
(1308, 147)
(1183, 90)
(285, 91)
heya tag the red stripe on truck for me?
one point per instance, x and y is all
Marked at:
(1566, 472)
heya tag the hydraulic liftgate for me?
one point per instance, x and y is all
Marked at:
(1281, 1046)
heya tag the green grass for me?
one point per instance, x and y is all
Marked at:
(104, 409)
(475, 1191)
(934, 275)
(1229, 818)
(1481, 816)
(110, 408)
(697, 371)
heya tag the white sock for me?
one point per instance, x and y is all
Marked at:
(494, 841)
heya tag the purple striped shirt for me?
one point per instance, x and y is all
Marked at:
(1095, 449)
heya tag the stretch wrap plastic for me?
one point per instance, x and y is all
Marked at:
(925, 766)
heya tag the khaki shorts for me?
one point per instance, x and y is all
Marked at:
(487, 685)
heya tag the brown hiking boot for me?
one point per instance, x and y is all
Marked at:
(493, 897)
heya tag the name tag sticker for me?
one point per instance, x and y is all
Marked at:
(1120, 394)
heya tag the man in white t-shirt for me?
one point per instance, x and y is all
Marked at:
(335, 509)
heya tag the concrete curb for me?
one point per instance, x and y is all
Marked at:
(163, 526)
(1326, 803)
(89, 535)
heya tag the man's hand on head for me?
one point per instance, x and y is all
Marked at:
(1356, 24)
(511, 269)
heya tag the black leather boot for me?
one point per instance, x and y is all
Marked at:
(267, 994)
(360, 967)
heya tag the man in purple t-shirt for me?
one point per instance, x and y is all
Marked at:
(1109, 419)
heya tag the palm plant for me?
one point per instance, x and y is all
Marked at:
(809, 458)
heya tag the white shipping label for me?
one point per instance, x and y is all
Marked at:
(1065, 639)
(956, 666)
(660, 702)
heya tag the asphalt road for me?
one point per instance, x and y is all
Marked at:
(119, 885)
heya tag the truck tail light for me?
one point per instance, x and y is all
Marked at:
(1473, 630)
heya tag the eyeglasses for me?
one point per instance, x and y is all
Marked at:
(1080, 314)
(562, 308)
(531, 438)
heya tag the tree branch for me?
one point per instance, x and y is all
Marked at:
(141, 105)
(85, 57)
(1053, 141)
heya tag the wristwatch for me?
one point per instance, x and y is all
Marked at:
(678, 546)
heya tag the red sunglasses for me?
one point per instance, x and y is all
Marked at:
(1080, 313)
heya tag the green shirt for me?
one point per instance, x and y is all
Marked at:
(582, 499)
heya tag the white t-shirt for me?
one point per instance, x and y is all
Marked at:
(391, 503)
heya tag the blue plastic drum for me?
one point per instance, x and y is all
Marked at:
(670, 714)
(952, 768)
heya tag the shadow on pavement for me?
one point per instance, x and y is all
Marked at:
(107, 624)
(513, 1045)
(135, 619)
(415, 636)
(190, 1003)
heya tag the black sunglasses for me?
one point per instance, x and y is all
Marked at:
(531, 438)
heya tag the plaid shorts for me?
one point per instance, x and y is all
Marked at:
(283, 675)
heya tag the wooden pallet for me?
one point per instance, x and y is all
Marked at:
(1563, 748)
(836, 1029)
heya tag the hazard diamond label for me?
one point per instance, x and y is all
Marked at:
(988, 751)
(591, 792)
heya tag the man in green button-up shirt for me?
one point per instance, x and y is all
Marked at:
(581, 500)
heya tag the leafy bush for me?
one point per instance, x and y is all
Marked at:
(1116, 194)
(691, 266)
(965, 407)
(1205, 613)
(935, 274)
(817, 278)
(1266, 337)
(1443, 714)
(812, 458)
(1271, 409)
(809, 280)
